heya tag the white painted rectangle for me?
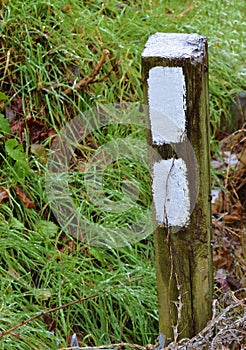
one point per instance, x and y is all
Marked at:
(171, 192)
(167, 104)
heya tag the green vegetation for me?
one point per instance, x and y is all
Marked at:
(47, 47)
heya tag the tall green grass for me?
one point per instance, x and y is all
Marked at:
(43, 44)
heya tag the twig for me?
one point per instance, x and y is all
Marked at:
(91, 77)
(214, 322)
(135, 346)
(105, 77)
(43, 313)
(237, 300)
(185, 11)
(204, 338)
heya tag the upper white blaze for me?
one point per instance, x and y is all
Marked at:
(171, 192)
(166, 95)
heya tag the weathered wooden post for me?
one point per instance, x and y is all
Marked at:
(175, 80)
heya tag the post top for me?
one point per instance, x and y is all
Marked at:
(175, 45)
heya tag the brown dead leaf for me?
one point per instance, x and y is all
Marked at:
(50, 322)
(17, 127)
(235, 214)
(24, 197)
(230, 143)
(50, 132)
(233, 281)
(16, 105)
(221, 278)
(222, 204)
(222, 258)
(69, 247)
(66, 8)
(231, 218)
(9, 113)
(16, 335)
(36, 129)
(168, 11)
(3, 194)
(241, 154)
(13, 273)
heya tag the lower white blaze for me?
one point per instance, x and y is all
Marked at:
(171, 192)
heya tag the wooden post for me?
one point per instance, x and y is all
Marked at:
(175, 82)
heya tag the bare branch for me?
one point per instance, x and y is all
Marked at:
(91, 77)
(82, 299)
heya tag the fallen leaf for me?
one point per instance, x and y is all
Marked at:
(242, 152)
(24, 197)
(66, 8)
(16, 335)
(69, 248)
(50, 132)
(10, 114)
(17, 127)
(222, 203)
(3, 194)
(233, 281)
(13, 273)
(235, 214)
(231, 141)
(231, 218)
(222, 258)
(168, 11)
(36, 129)
(221, 278)
(16, 105)
(50, 322)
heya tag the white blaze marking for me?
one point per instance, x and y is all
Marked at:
(171, 192)
(166, 94)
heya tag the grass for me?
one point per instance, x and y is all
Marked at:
(45, 48)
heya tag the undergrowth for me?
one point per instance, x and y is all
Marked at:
(47, 47)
